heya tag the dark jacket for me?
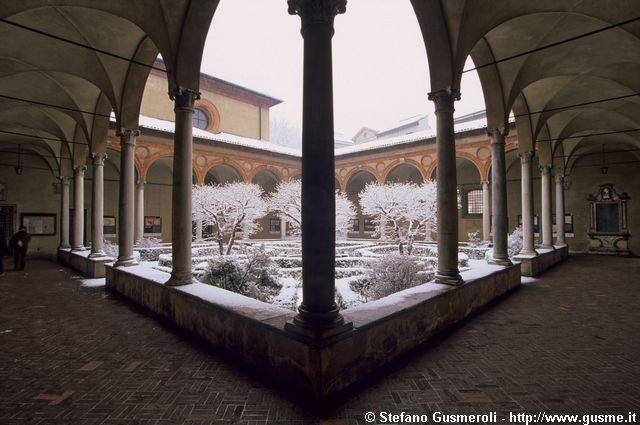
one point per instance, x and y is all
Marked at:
(4, 249)
(20, 240)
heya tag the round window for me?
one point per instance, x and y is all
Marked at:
(200, 119)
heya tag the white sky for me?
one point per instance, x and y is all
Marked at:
(380, 67)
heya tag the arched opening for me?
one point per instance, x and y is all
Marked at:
(404, 173)
(221, 174)
(362, 226)
(272, 225)
(470, 200)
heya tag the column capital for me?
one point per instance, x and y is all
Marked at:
(485, 183)
(79, 169)
(98, 158)
(127, 136)
(545, 168)
(317, 12)
(497, 134)
(525, 157)
(65, 180)
(184, 97)
(444, 99)
(141, 183)
(559, 178)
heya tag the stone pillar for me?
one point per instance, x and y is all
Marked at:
(97, 206)
(126, 204)
(499, 218)
(447, 272)
(139, 212)
(181, 206)
(64, 213)
(547, 226)
(528, 236)
(560, 237)
(78, 208)
(318, 315)
(283, 228)
(486, 212)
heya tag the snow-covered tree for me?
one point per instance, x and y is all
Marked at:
(401, 211)
(345, 213)
(286, 201)
(229, 208)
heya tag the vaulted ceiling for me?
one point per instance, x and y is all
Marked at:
(568, 70)
(65, 66)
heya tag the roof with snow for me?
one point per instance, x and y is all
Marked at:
(265, 146)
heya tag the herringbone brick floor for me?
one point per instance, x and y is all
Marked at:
(566, 342)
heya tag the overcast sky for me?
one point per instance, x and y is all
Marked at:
(380, 70)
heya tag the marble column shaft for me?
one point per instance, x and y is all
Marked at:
(486, 211)
(181, 207)
(126, 198)
(64, 213)
(547, 226)
(318, 311)
(139, 212)
(499, 198)
(447, 272)
(78, 208)
(528, 236)
(560, 236)
(97, 206)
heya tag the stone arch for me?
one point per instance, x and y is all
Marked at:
(266, 179)
(223, 172)
(404, 171)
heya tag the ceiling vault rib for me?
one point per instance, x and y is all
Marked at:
(559, 108)
(34, 102)
(15, 133)
(84, 46)
(590, 135)
(557, 43)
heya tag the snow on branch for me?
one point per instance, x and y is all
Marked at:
(401, 211)
(229, 208)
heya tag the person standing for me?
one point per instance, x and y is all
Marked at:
(20, 244)
(4, 250)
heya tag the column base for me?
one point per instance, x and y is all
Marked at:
(526, 255)
(547, 247)
(500, 262)
(65, 247)
(445, 279)
(307, 333)
(78, 248)
(99, 254)
(179, 279)
(126, 262)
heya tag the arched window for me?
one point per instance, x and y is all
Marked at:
(200, 119)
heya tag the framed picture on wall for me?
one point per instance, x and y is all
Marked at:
(109, 226)
(39, 224)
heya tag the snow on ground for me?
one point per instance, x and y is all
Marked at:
(92, 283)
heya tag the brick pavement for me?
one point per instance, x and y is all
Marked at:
(568, 342)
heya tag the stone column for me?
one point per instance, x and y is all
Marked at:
(547, 226)
(139, 212)
(486, 212)
(97, 206)
(64, 213)
(318, 315)
(560, 237)
(447, 272)
(499, 199)
(283, 228)
(181, 206)
(126, 204)
(528, 236)
(78, 208)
